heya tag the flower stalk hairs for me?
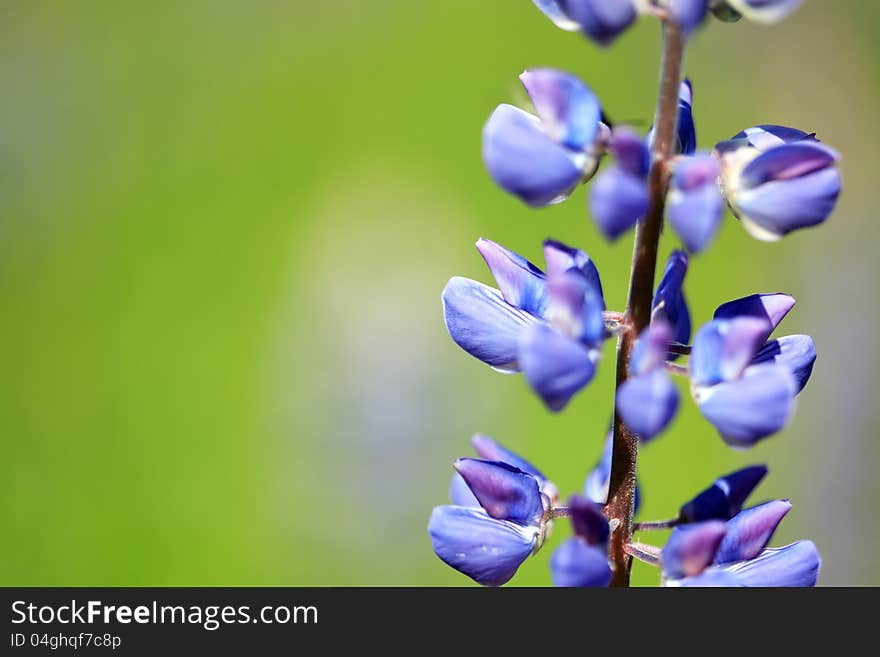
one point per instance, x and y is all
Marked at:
(549, 323)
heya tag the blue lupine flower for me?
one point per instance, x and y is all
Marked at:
(725, 497)
(745, 402)
(797, 353)
(694, 205)
(764, 11)
(777, 180)
(600, 20)
(740, 557)
(489, 542)
(582, 560)
(688, 14)
(598, 479)
(541, 159)
(549, 326)
(648, 400)
(619, 195)
(669, 304)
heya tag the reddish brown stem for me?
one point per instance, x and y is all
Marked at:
(621, 495)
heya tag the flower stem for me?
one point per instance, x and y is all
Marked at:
(621, 495)
(656, 525)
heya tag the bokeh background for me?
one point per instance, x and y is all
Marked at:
(224, 229)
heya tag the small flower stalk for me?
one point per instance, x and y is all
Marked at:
(550, 323)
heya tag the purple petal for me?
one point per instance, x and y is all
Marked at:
(694, 204)
(487, 550)
(724, 498)
(618, 200)
(651, 348)
(560, 258)
(690, 548)
(723, 348)
(523, 160)
(669, 303)
(521, 283)
(797, 353)
(460, 493)
(568, 109)
(787, 162)
(767, 136)
(775, 209)
(648, 403)
(686, 135)
(505, 492)
(751, 408)
(630, 151)
(556, 367)
(574, 563)
(765, 11)
(797, 564)
(575, 307)
(770, 307)
(554, 11)
(482, 323)
(749, 531)
(588, 521)
(601, 20)
(491, 450)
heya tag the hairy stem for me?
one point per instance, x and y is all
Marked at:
(621, 492)
(656, 525)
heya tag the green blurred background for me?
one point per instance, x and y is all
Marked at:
(224, 229)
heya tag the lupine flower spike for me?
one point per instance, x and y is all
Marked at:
(551, 324)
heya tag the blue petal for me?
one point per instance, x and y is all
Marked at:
(749, 531)
(491, 450)
(488, 551)
(521, 283)
(777, 208)
(505, 492)
(686, 134)
(797, 564)
(751, 408)
(630, 151)
(601, 20)
(576, 308)
(669, 304)
(648, 403)
(599, 478)
(568, 108)
(560, 258)
(556, 367)
(618, 200)
(588, 521)
(771, 307)
(525, 161)
(460, 493)
(723, 348)
(767, 136)
(688, 14)
(797, 353)
(554, 11)
(690, 548)
(574, 563)
(694, 205)
(482, 323)
(787, 162)
(651, 348)
(724, 498)
(765, 11)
